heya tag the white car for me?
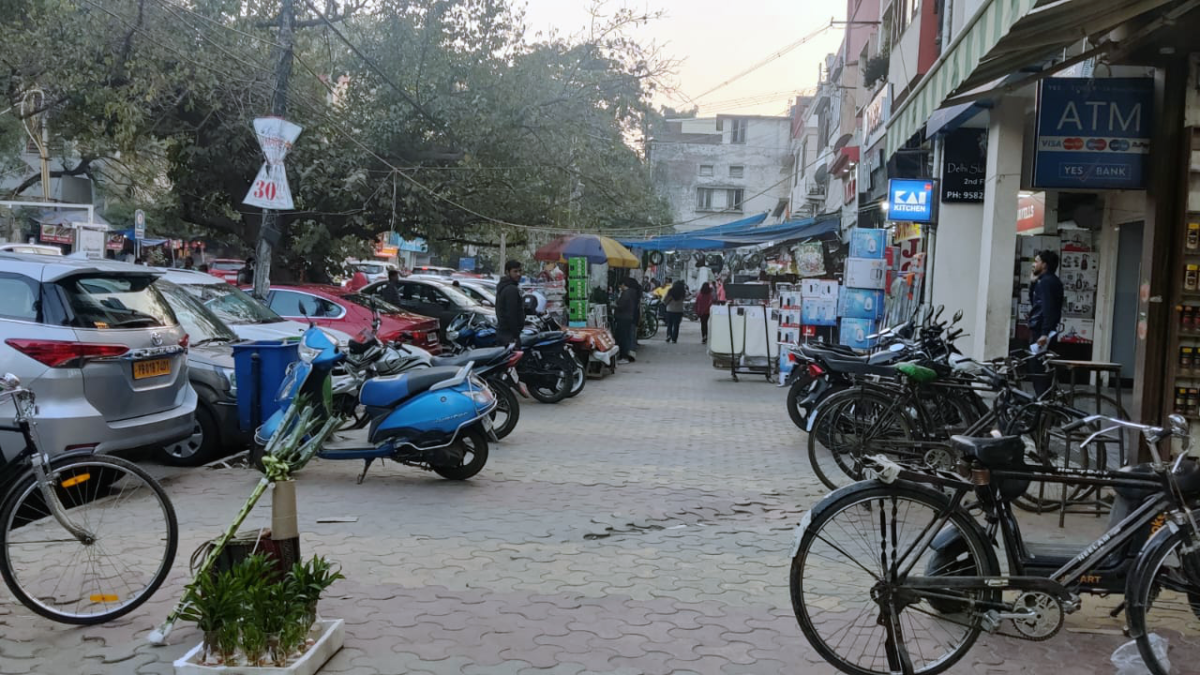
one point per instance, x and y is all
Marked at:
(31, 249)
(249, 318)
(373, 269)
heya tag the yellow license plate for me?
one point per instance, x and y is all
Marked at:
(153, 368)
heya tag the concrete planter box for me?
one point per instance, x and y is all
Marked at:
(333, 636)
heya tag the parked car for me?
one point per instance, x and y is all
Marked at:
(246, 316)
(433, 298)
(31, 249)
(226, 269)
(433, 270)
(211, 372)
(480, 290)
(100, 348)
(352, 312)
(374, 271)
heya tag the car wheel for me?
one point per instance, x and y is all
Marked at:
(197, 449)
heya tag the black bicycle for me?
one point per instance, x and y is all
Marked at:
(895, 575)
(84, 538)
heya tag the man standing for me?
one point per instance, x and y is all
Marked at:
(510, 311)
(391, 290)
(1046, 301)
(246, 274)
(626, 316)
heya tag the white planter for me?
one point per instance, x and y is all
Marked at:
(333, 636)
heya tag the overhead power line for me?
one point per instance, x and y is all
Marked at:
(773, 57)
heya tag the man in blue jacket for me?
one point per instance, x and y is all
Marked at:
(1046, 301)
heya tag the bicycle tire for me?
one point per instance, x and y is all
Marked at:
(1144, 590)
(26, 495)
(1034, 499)
(826, 423)
(841, 501)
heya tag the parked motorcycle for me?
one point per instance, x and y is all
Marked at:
(546, 365)
(438, 418)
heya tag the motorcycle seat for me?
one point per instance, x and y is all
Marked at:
(1006, 452)
(1188, 478)
(356, 348)
(388, 390)
(826, 349)
(528, 340)
(859, 366)
(481, 357)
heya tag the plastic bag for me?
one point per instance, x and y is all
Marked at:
(1128, 660)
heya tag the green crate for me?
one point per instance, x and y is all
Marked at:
(577, 288)
(577, 267)
(578, 310)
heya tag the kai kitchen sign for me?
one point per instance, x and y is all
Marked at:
(911, 200)
(1093, 133)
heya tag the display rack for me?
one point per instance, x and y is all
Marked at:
(1183, 365)
(742, 297)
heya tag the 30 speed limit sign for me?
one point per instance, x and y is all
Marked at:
(270, 188)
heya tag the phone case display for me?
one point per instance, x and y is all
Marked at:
(855, 331)
(858, 303)
(810, 259)
(865, 273)
(867, 243)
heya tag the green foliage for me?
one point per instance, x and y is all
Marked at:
(486, 122)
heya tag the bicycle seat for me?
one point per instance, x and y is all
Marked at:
(1006, 452)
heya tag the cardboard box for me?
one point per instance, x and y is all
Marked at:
(819, 313)
(857, 303)
(819, 289)
(867, 243)
(854, 333)
(865, 273)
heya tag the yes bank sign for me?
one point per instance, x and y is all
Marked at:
(1093, 133)
(911, 199)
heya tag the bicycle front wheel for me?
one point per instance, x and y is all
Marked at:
(129, 541)
(847, 580)
(1163, 609)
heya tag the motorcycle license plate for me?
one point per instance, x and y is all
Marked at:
(512, 372)
(487, 422)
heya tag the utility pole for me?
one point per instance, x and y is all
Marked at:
(268, 233)
(503, 250)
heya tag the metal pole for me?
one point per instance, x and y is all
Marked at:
(503, 249)
(270, 218)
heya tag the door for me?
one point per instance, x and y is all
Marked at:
(432, 302)
(1125, 300)
(302, 307)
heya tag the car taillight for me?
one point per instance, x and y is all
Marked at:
(60, 354)
(814, 370)
(792, 357)
(418, 337)
(185, 340)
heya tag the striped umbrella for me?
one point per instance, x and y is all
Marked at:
(598, 250)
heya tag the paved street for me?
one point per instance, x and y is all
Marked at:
(640, 528)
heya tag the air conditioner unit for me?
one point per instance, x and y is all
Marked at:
(816, 190)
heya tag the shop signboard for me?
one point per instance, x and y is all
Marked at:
(876, 114)
(964, 165)
(415, 245)
(1031, 212)
(1093, 133)
(466, 264)
(115, 242)
(906, 232)
(911, 199)
(57, 234)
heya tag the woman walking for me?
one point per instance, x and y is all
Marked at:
(674, 305)
(704, 301)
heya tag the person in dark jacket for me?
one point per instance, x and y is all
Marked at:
(246, 274)
(1045, 313)
(704, 301)
(626, 318)
(510, 310)
(390, 293)
(673, 300)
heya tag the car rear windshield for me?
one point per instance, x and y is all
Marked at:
(372, 303)
(370, 269)
(233, 305)
(114, 302)
(231, 265)
(201, 324)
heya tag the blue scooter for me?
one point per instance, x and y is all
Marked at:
(435, 418)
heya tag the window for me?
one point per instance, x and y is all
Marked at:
(18, 298)
(233, 305)
(201, 324)
(289, 303)
(733, 199)
(704, 199)
(431, 296)
(737, 171)
(737, 131)
(116, 302)
(706, 170)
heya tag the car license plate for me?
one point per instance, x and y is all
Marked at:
(152, 368)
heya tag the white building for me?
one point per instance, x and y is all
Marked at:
(715, 170)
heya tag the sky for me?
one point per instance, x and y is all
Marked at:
(715, 40)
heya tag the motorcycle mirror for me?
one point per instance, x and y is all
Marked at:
(940, 309)
(958, 316)
(304, 313)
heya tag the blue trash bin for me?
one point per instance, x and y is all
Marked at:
(260, 368)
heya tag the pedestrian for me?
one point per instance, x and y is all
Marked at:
(1045, 313)
(704, 301)
(390, 293)
(626, 316)
(188, 263)
(203, 267)
(673, 300)
(246, 274)
(357, 281)
(510, 309)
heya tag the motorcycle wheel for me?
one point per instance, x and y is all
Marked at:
(475, 454)
(552, 388)
(508, 409)
(580, 377)
(796, 393)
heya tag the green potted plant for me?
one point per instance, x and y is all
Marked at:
(309, 580)
(256, 576)
(215, 611)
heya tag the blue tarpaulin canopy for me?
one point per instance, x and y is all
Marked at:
(738, 233)
(128, 234)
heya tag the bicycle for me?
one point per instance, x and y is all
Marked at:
(924, 575)
(101, 513)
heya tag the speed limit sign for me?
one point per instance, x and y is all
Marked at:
(270, 187)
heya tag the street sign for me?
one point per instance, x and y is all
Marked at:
(1093, 133)
(911, 199)
(139, 224)
(270, 188)
(964, 165)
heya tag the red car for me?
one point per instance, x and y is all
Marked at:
(226, 269)
(351, 313)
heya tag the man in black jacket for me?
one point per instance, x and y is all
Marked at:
(1045, 313)
(510, 311)
(626, 317)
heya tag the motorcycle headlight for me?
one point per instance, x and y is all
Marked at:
(451, 335)
(307, 354)
(482, 397)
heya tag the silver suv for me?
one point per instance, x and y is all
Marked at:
(101, 349)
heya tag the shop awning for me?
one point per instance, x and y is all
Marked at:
(734, 237)
(1003, 37)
